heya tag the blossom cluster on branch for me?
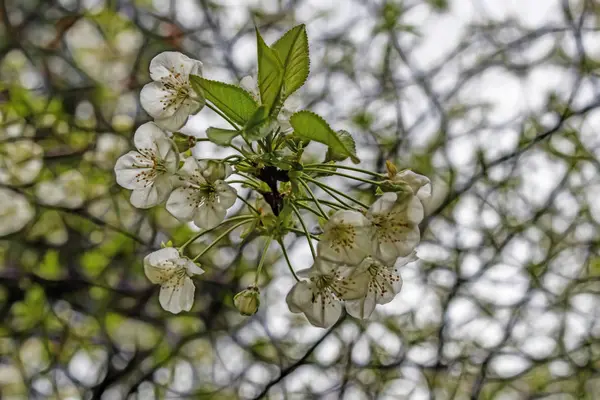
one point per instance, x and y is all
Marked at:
(361, 247)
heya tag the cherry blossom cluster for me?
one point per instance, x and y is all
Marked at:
(360, 248)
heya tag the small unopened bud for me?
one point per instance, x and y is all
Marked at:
(247, 301)
(391, 169)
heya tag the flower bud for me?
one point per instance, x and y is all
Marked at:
(247, 301)
(391, 168)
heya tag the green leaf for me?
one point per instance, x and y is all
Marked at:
(258, 125)
(221, 136)
(270, 74)
(292, 49)
(232, 100)
(346, 138)
(309, 125)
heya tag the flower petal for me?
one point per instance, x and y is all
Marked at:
(174, 122)
(321, 308)
(361, 308)
(147, 135)
(192, 268)
(182, 203)
(144, 198)
(226, 195)
(153, 98)
(420, 184)
(169, 62)
(159, 257)
(209, 214)
(177, 293)
(131, 170)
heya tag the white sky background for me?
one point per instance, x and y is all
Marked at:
(504, 283)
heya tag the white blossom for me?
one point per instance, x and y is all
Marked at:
(172, 272)
(420, 184)
(170, 99)
(149, 170)
(394, 225)
(20, 162)
(68, 190)
(345, 238)
(319, 297)
(204, 196)
(15, 212)
(383, 284)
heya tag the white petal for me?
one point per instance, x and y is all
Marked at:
(192, 268)
(186, 297)
(153, 98)
(130, 170)
(321, 308)
(402, 261)
(345, 238)
(167, 62)
(144, 198)
(383, 204)
(192, 171)
(177, 294)
(361, 308)
(164, 186)
(226, 195)
(299, 296)
(182, 203)
(402, 245)
(324, 311)
(159, 257)
(209, 214)
(147, 135)
(414, 210)
(174, 122)
(420, 184)
(349, 217)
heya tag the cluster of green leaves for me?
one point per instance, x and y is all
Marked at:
(283, 68)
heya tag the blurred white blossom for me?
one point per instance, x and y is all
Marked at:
(20, 162)
(68, 190)
(15, 212)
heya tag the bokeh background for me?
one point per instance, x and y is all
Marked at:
(498, 102)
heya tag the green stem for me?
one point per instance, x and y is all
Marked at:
(195, 237)
(302, 233)
(287, 260)
(322, 170)
(225, 117)
(262, 260)
(307, 208)
(323, 201)
(364, 171)
(315, 200)
(330, 189)
(250, 206)
(221, 236)
(249, 183)
(308, 235)
(233, 146)
(251, 179)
